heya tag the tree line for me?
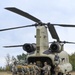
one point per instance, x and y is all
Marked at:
(10, 59)
(72, 60)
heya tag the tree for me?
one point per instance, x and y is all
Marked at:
(22, 57)
(72, 60)
(8, 59)
(13, 59)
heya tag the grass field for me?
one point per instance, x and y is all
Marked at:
(7, 73)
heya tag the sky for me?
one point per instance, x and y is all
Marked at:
(53, 11)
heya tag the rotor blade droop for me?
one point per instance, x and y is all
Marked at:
(22, 13)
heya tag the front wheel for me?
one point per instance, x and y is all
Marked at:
(60, 73)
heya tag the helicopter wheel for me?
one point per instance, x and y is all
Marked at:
(60, 73)
(68, 74)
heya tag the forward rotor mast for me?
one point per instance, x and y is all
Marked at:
(42, 43)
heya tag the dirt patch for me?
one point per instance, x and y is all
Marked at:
(72, 73)
(8, 73)
(5, 73)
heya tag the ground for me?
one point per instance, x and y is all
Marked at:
(72, 73)
(8, 73)
(5, 73)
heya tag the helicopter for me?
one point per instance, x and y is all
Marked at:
(41, 51)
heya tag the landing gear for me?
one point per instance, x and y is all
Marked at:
(68, 73)
(60, 73)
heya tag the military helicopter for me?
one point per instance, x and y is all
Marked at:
(40, 51)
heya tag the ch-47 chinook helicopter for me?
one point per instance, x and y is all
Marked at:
(41, 51)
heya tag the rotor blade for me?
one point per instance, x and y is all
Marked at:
(53, 32)
(22, 13)
(18, 27)
(64, 42)
(67, 42)
(64, 25)
(12, 46)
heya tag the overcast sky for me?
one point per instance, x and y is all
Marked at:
(53, 11)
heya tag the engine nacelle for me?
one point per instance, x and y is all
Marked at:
(29, 47)
(55, 47)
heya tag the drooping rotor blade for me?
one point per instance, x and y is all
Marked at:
(67, 42)
(12, 46)
(64, 42)
(22, 13)
(18, 27)
(53, 32)
(64, 25)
